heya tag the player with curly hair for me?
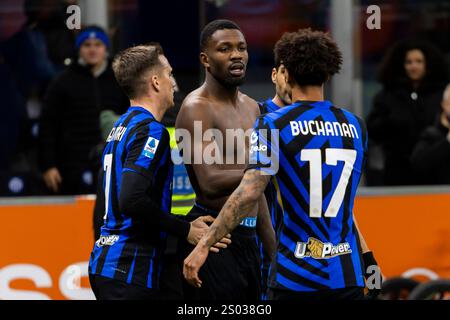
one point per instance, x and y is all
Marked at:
(316, 153)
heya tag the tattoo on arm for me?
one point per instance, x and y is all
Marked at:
(238, 206)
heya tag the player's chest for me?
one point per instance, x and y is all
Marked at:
(234, 119)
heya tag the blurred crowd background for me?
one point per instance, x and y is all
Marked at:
(56, 110)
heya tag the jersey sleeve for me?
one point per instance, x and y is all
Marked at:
(147, 148)
(262, 107)
(264, 147)
(365, 141)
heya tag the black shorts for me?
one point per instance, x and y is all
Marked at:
(233, 273)
(351, 293)
(170, 278)
(111, 289)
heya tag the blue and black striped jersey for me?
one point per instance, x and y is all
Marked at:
(316, 154)
(276, 213)
(125, 250)
(267, 106)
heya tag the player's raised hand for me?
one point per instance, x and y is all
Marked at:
(198, 229)
(193, 263)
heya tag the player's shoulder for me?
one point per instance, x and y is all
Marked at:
(248, 101)
(137, 117)
(152, 129)
(195, 100)
(195, 105)
(278, 113)
(262, 106)
(145, 121)
(245, 98)
(353, 119)
(351, 116)
(267, 106)
(269, 118)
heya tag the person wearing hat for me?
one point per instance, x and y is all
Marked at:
(70, 122)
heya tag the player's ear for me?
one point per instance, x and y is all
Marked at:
(155, 83)
(274, 75)
(204, 59)
(284, 72)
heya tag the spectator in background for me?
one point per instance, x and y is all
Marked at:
(413, 75)
(431, 156)
(48, 18)
(30, 58)
(70, 128)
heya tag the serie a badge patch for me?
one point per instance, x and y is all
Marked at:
(150, 147)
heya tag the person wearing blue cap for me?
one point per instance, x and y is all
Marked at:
(70, 127)
(92, 45)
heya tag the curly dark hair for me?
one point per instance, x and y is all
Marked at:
(392, 73)
(311, 57)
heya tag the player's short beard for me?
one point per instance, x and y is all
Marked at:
(231, 82)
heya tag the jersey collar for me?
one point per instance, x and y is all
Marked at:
(318, 104)
(138, 108)
(272, 104)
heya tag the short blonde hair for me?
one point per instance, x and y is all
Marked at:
(132, 65)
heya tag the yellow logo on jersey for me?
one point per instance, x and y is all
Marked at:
(317, 249)
(107, 240)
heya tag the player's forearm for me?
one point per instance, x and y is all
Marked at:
(238, 206)
(241, 202)
(135, 202)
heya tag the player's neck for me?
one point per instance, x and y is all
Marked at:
(307, 93)
(277, 100)
(150, 105)
(220, 92)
